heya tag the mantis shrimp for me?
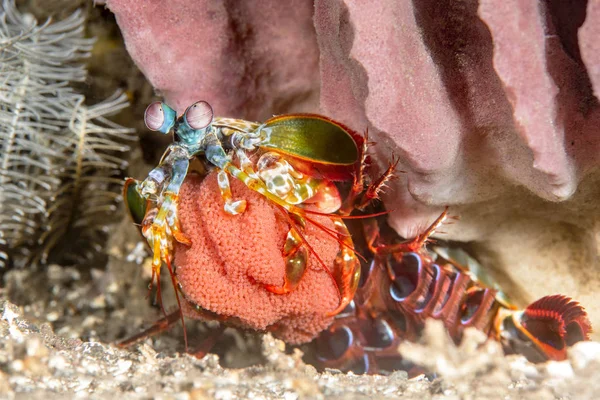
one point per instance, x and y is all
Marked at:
(292, 160)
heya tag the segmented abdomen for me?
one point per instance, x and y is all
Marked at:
(397, 295)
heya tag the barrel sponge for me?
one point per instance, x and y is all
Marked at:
(232, 258)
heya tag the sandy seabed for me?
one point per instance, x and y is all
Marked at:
(36, 363)
(59, 343)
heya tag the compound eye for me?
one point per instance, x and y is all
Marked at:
(159, 117)
(154, 116)
(199, 115)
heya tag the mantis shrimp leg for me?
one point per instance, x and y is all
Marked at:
(277, 180)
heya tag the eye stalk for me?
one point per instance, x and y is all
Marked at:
(159, 117)
(199, 115)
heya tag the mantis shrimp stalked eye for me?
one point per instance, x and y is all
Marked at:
(159, 117)
(199, 115)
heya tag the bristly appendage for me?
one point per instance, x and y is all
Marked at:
(58, 158)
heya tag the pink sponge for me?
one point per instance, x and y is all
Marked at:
(247, 59)
(232, 258)
(492, 107)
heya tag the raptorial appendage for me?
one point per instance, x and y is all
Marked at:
(160, 225)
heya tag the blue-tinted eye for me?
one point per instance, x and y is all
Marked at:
(199, 115)
(159, 117)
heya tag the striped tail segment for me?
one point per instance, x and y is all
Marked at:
(401, 289)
